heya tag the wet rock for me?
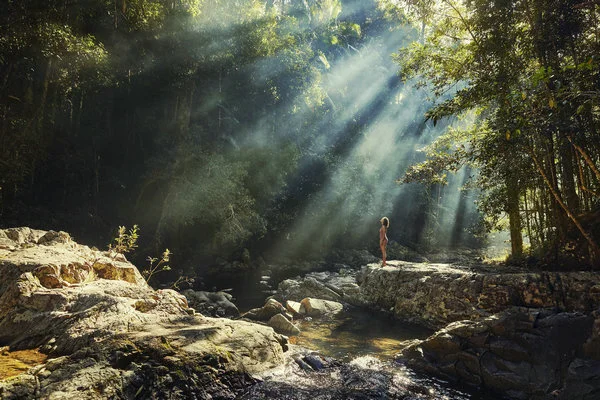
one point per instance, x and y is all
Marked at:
(303, 364)
(441, 344)
(266, 312)
(283, 325)
(312, 362)
(316, 362)
(213, 304)
(365, 378)
(520, 353)
(319, 307)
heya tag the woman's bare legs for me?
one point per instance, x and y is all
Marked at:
(383, 245)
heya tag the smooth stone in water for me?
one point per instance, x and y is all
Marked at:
(319, 307)
(282, 325)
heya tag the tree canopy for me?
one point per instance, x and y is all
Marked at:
(529, 70)
(282, 125)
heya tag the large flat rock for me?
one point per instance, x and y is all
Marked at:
(110, 335)
(437, 294)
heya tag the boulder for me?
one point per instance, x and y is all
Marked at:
(319, 307)
(334, 286)
(293, 307)
(583, 380)
(519, 353)
(271, 308)
(283, 325)
(213, 304)
(298, 289)
(12, 238)
(109, 334)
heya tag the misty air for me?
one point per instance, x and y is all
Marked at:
(300, 199)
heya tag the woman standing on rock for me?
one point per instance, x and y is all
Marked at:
(383, 239)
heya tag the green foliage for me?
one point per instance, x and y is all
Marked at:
(528, 66)
(125, 241)
(156, 266)
(213, 195)
(451, 151)
(325, 11)
(203, 120)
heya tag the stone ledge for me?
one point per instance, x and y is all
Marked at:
(437, 294)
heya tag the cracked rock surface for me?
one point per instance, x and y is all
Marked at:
(110, 335)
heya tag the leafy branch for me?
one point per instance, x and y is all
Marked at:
(125, 241)
(182, 280)
(157, 265)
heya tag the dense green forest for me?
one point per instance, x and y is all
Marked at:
(529, 72)
(292, 126)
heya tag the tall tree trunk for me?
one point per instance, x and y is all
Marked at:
(528, 217)
(594, 249)
(96, 185)
(514, 217)
(551, 173)
(6, 76)
(184, 110)
(545, 214)
(76, 112)
(581, 183)
(568, 176)
(537, 218)
(587, 158)
(41, 110)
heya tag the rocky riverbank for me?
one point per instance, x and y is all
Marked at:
(78, 323)
(81, 323)
(437, 294)
(521, 353)
(523, 335)
(109, 335)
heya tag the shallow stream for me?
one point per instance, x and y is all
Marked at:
(364, 344)
(358, 332)
(362, 347)
(368, 340)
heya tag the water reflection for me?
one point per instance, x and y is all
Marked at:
(358, 333)
(367, 343)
